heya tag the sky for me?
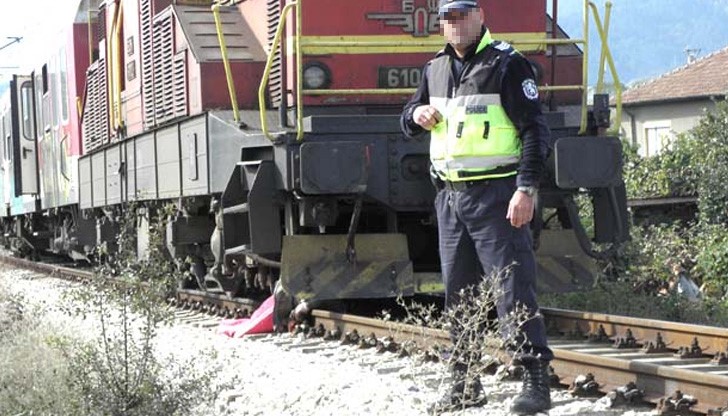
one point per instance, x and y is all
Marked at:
(651, 37)
(35, 22)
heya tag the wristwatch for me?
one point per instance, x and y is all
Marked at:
(528, 190)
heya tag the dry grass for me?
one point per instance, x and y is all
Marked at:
(33, 372)
(478, 340)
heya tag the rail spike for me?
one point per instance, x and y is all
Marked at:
(333, 335)
(628, 394)
(430, 356)
(317, 332)
(693, 351)
(629, 341)
(720, 358)
(351, 338)
(366, 343)
(677, 404)
(585, 386)
(387, 344)
(600, 336)
(657, 347)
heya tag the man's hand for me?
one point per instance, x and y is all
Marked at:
(426, 116)
(520, 209)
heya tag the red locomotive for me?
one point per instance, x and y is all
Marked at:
(272, 127)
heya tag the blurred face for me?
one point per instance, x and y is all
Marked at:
(461, 27)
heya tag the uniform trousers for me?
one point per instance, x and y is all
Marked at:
(476, 239)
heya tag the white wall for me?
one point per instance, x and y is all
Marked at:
(642, 123)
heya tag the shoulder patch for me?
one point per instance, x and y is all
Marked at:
(502, 46)
(530, 89)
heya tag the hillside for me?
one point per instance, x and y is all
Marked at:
(649, 37)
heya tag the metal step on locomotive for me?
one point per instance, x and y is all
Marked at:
(272, 127)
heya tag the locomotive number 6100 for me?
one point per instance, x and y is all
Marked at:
(399, 77)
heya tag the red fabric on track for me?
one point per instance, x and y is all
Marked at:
(261, 321)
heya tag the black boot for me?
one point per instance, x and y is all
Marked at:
(465, 392)
(536, 395)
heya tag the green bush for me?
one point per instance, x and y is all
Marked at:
(671, 173)
(658, 252)
(711, 260)
(696, 163)
(711, 135)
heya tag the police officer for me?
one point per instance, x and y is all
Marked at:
(479, 101)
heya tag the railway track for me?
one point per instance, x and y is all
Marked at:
(681, 368)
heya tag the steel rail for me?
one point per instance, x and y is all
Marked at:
(711, 339)
(214, 303)
(47, 268)
(659, 375)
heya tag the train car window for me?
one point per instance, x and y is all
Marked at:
(39, 125)
(26, 108)
(45, 78)
(3, 149)
(63, 72)
(7, 136)
(53, 101)
(64, 157)
(46, 105)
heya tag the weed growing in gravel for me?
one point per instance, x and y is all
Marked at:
(479, 339)
(117, 370)
(34, 373)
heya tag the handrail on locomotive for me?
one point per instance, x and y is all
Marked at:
(226, 61)
(300, 45)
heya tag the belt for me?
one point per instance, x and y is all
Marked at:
(463, 185)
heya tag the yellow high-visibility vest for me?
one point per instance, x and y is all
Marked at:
(476, 139)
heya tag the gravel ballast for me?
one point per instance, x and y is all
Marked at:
(286, 375)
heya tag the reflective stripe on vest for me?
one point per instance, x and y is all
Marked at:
(476, 139)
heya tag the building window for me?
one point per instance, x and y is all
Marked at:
(658, 135)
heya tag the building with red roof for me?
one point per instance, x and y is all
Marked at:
(656, 110)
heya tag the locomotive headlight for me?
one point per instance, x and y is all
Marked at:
(316, 76)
